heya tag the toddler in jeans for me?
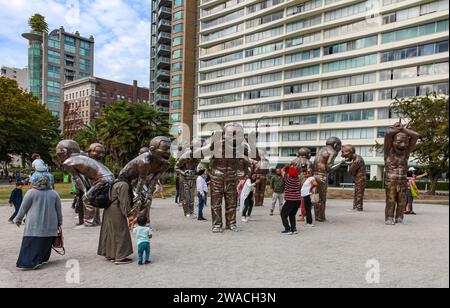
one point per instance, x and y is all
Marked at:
(143, 235)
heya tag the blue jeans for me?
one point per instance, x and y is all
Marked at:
(201, 204)
(144, 249)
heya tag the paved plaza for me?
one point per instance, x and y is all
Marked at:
(186, 254)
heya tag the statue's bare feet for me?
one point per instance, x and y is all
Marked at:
(233, 228)
(217, 230)
(390, 222)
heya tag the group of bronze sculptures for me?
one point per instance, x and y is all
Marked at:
(232, 157)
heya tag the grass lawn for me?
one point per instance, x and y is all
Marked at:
(64, 191)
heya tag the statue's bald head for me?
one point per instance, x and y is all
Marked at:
(335, 143)
(304, 153)
(348, 151)
(160, 147)
(97, 151)
(67, 148)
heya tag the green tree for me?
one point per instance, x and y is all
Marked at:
(123, 129)
(37, 23)
(429, 117)
(26, 126)
(87, 136)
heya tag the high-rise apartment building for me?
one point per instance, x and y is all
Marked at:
(183, 59)
(310, 70)
(173, 60)
(54, 59)
(18, 74)
(160, 53)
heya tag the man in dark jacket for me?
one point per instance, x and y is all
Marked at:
(15, 200)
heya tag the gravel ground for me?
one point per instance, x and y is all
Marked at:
(186, 254)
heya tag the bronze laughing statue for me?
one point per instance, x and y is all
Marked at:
(399, 142)
(228, 153)
(97, 152)
(356, 169)
(150, 166)
(186, 169)
(262, 169)
(88, 174)
(303, 160)
(323, 166)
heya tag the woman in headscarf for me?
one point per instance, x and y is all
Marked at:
(115, 240)
(42, 208)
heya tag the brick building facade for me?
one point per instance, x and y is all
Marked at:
(85, 99)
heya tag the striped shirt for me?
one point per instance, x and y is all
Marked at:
(292, 188)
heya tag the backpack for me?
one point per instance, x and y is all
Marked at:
(101, 197)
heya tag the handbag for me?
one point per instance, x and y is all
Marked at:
(58, 244)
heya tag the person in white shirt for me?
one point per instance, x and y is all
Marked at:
(307, 190)
(248, 197)
(202, 189)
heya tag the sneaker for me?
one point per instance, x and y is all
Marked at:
(244, 219)
(140, 263)
(287, 232)
(217, 230)
(399, 221)
(295, 231)
(124, 261)
(271, 213)
(148, 262)
(309, 226)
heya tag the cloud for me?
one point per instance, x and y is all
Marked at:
(121, 29)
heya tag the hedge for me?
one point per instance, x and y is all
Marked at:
(442, 186)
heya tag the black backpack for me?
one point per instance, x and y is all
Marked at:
(101, 197)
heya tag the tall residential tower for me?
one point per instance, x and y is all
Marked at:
(56, 58)
(309, 70)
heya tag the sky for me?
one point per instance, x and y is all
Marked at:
(121, 29)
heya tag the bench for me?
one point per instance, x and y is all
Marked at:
(347, 185)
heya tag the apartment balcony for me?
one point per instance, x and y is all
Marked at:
(164, 37)
(164, 13)
(162, 86)
(162, 74)
(161, 99)
(164, 25)
(164, 50)
(163, 62)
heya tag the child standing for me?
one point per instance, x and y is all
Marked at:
(143, 235)
(15, 200)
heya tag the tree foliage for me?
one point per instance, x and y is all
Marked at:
(37, 23)
(429, 117)
(26, 126)
(123, 129)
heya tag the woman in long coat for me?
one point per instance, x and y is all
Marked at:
(115, 240)
(42, 208)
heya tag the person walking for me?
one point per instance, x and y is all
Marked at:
(15, 200)
(42, 208)
(202, 191)
(307, 190)
(293, 198)
(277, 185)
